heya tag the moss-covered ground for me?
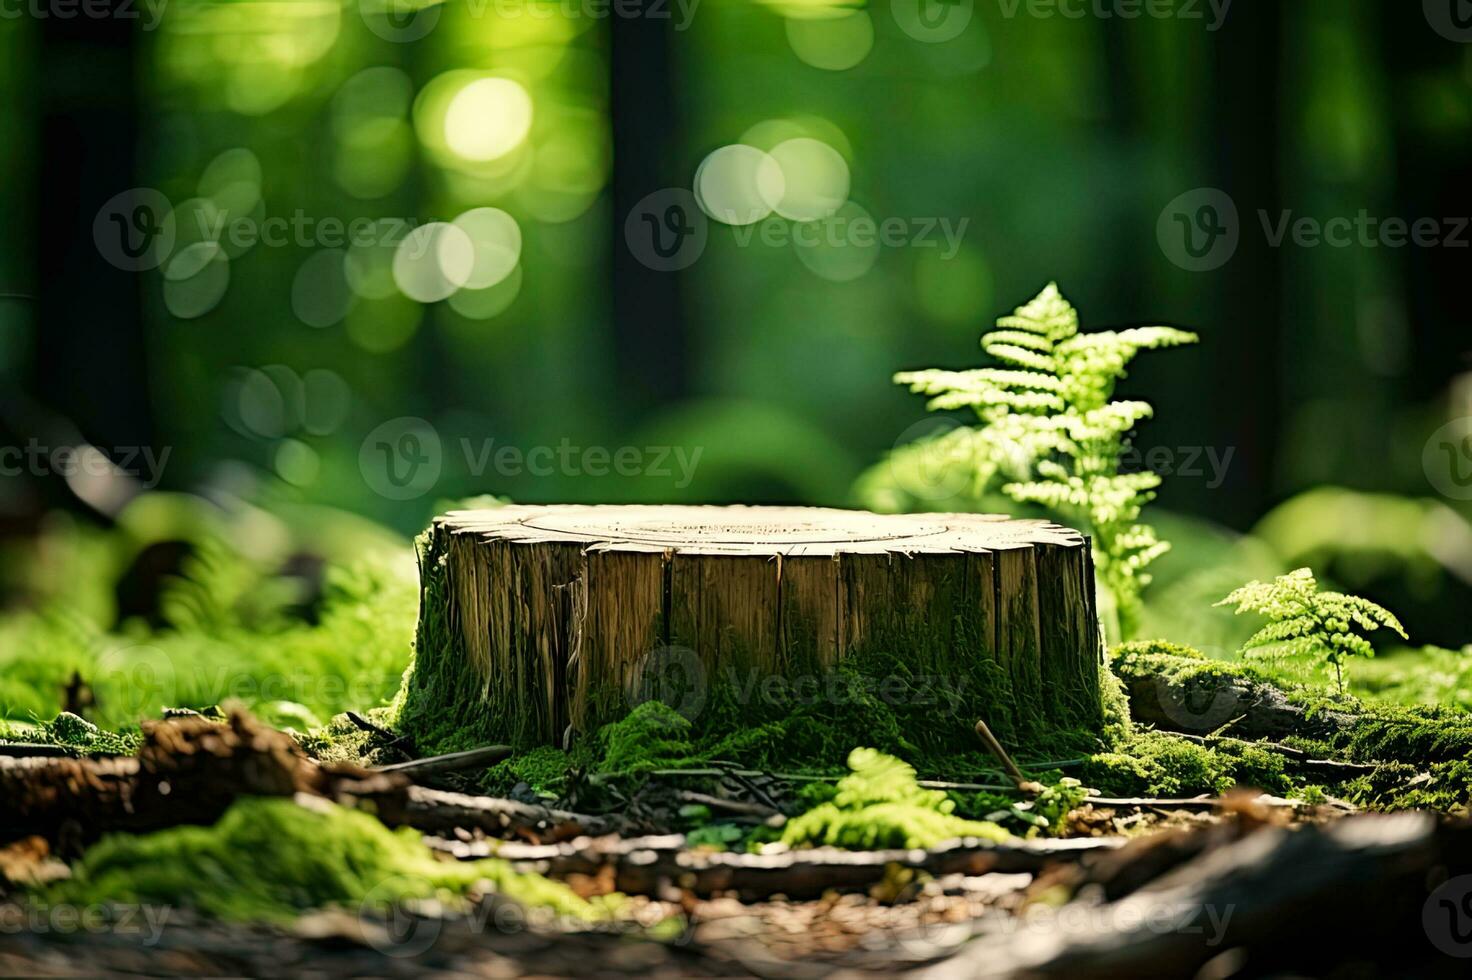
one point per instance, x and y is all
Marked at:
(271, 859)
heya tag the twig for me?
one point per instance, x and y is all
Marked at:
(995, 747)
(643, 865)
(36, 750)
(479, 758)
(730, 806)
(399, 743)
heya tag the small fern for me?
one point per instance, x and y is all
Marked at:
(1304, 621)
(1054, 436)
(880, 804)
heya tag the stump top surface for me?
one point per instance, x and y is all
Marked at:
(741, 530)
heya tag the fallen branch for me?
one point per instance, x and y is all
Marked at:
(480, 758)
(650, 865)
(435, 811)
(1346, 897)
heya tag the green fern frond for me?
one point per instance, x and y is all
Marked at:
(1052, 436)
(1303, 621)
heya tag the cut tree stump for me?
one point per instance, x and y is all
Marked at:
(539, 620)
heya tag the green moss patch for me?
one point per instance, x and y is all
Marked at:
(270, 859)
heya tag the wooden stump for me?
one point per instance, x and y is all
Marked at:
(537, 620)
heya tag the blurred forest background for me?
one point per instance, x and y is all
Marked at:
(1055, 144)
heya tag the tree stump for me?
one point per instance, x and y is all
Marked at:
(539, 620)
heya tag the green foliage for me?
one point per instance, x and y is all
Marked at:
(1304, 621)
(879, 805)
(351, 658)
(1152, 763)
(269, 859)
(1054, 436)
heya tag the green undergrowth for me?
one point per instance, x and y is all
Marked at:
(73, 732)
(1422, 754)
(654, 736)
(296, 674)
(880, 805)
(271, 859)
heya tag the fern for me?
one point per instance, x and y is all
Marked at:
(1052, 434)
(1303, 621)
(880, 804)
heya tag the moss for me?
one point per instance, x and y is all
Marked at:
(269, 859)
(1151, 763)
(1177, 663)
(544, 769)
(76, 733)
(879, 805)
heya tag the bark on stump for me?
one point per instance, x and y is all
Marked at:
(537, 620)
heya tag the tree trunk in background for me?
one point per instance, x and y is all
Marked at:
(1251, 319)
(90, 364)
(650, 332)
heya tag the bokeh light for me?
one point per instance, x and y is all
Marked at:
(320, 294)
(815, 179)
(195, 280)
(433, 261)
(835, 42)
(487, 119)
(738, 184)
(841, 247)
(495, 240)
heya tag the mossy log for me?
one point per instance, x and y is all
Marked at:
(540, 621)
